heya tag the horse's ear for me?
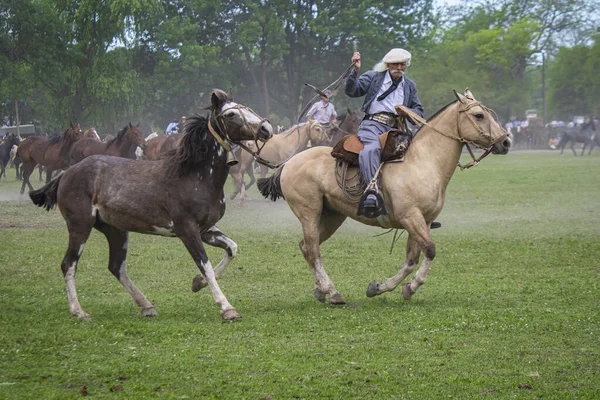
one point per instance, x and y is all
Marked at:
(138, 125)
(131, 126)
(469, 95)
(460, 97)
(349, 110)
(217, 99)
(230, 94)
(72, 126)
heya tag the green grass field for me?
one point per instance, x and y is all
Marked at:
(510, 308)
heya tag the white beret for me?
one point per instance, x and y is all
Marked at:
(397, 56)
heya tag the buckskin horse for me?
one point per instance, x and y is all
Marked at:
(52, 153)
(414, 191)
(123, 145)
(291, 142)
(180, 195)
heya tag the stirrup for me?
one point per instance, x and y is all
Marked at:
(371, 212)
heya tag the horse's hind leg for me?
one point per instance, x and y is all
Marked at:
(79, 232)
(314, 235)
(118, 242)
(216, 238)
(190, 236)
(26, 171)
(413, 251)
(419, 240)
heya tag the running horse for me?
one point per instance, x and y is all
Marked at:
(52, 153)
(585, 134)
(291, 142)
(123, 145)
(413, 190)
(180, 195)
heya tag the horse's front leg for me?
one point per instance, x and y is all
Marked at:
(216, 238)
(316, 231)
(413, 251)
(190, 236)
(573, 147)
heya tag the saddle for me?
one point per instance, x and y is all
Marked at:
(394, 144)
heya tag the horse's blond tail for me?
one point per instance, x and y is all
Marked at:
(46, 196)
(271, 187)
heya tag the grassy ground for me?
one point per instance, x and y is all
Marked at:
(510, 309)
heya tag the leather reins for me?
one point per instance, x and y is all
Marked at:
(460, 138)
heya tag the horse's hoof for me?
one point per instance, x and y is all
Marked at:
(373, 289)
(407, 292)
(149, 312)
(230, 314)
(81, 315)
(321, 296)
(336, 299)
(199, 282)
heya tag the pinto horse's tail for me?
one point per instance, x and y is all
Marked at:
(271, 187)
(46, 196)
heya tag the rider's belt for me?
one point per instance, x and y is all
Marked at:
(383, 118)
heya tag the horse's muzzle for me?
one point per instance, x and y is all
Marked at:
(265, 131)
(502, 146)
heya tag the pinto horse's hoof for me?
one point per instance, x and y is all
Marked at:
(373, 289)
(320, 295)
(198, 283)
(407, 292)
(230, 314)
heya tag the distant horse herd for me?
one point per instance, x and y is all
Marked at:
(172, 185)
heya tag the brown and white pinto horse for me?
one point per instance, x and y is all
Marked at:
(52, 153)
(123, 145)
(414, 191)
(180, 195)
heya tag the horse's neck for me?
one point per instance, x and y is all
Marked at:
(435, 151)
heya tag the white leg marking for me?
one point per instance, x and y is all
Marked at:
(218, 295)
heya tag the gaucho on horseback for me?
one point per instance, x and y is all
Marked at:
(324, 112)
(384, 87)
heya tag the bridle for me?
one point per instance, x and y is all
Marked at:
(462, 110)
(225, 141)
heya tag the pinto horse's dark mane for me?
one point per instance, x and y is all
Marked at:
(192, 150)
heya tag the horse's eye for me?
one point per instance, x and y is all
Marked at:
(230, 114)
(479, 116)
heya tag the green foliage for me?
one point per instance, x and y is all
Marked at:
(107, 63)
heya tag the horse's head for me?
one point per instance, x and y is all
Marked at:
(238, 122)
(134, 134)
(73, 133)
(12, 140)
(91, 133)
(476, 125)
(317, 134)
